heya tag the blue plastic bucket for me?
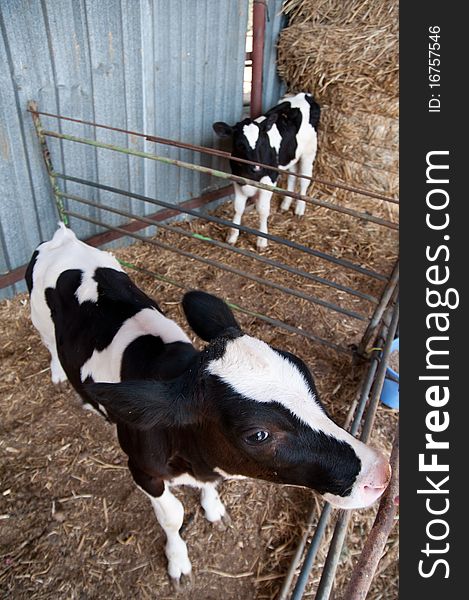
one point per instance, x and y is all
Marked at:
(390, 391)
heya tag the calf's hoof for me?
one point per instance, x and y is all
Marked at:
(226, 521)
(232, 237)
(285, 204)
(299, 211)
(179, 564)
(214, 510)
(223, 523)
(183, 583)
(57, 374)
(261, 244)
(62, 386)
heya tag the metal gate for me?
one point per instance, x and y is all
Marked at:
(378, 327)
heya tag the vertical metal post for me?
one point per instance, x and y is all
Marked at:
(327, 509)
(379, 311)
(258, 33)
(340, 531)
(373, 385)
(32, 107)
(310, 556)
(333, 557)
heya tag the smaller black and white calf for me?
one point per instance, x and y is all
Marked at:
(237, 408)
(285, 137)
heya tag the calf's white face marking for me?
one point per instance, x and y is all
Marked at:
(254, 370)
(251, 133)
(275, 138)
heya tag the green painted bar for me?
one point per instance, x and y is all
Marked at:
(221, 175)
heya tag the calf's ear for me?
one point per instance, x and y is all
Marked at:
(223, 130)
(207, 315)
(147, 404)
(269, 121)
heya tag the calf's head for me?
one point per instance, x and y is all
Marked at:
(257, 411)
(250, 141)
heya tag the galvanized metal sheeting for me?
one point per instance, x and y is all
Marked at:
(168, 68)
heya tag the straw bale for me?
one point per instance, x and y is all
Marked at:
(346, 54)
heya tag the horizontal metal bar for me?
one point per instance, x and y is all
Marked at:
(291, 329)
(339, 261)
(223, 267)
(271, 321)
(157, 219)
(16, 275)
(220, 153)
(221, 175)
(236, 307)
(161, 215)
(12, 277)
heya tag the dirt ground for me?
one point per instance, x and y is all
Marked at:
(73, 525)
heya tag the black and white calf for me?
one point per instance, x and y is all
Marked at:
(237, 408)
(285, 137)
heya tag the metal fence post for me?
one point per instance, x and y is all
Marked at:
(33, 108)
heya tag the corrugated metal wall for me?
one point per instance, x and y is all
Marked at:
(272, 86)
(170, 68)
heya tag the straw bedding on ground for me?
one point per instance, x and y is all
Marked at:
(74, 525)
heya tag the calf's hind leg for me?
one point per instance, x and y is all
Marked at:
(214, 509)
(291, 181)
(305, 168)
(56, 371)
(44, 324)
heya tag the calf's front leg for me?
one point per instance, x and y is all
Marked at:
(214, 510)
(239, 206)
(169, 513)
(263, 210)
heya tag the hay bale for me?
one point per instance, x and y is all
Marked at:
(346, 54)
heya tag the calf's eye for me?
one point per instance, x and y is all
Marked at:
(257, 437)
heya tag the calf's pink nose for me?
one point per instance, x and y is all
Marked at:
(377, 479)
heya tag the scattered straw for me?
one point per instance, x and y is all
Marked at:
(101, 539)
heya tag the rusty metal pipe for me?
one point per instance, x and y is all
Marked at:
(223, 222)
(223, 175)
(220, 153)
